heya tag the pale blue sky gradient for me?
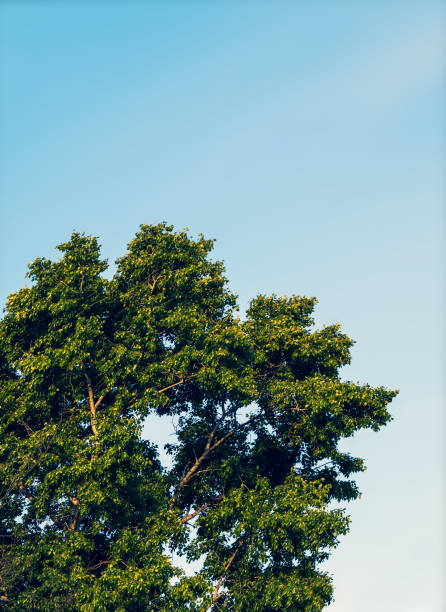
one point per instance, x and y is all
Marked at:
(309, 139)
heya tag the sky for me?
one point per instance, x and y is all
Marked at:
(308, 139)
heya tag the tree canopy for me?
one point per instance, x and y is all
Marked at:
(90, 519)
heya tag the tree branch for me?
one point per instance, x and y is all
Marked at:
(74, 513)
(208, 449)
(192, 515)
(98, 403)
(225, 570)
(91, 568)
(180, 382)
(94, 429)
(210, 446)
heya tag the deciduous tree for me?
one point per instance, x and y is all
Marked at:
(90, 518)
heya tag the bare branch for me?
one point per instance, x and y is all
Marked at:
(28, 429)
(196, 512)
(180, 382)
(99, 401)
(296, 404)
(94, 429)
(154, 279)
(91, 568)
(74, 520)
(208, 449)
(192, 515)
(225, 570)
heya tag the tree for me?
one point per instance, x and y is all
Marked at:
(90, 519)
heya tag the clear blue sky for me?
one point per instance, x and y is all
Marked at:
(309, 139)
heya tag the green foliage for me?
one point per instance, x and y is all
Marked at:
(90, 519)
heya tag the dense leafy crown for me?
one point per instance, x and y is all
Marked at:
(90, 518)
